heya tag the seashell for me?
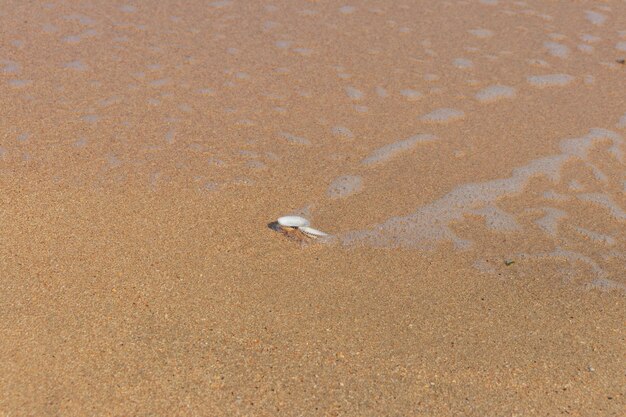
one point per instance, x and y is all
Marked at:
(293, 221)
(309, 231)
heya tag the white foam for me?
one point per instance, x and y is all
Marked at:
(550, 80)
(10, 67)
(557, 49)
(554, 196)
(605, 284)
(595, 17)
(585, 48)
(462, 63)
(80, 143)
(550, 221)
(170, 135)
(494, 93)
(283, 44)
(342, 132)
(19, 83)
(354, 93)
(23, 137)
(77, 65)
(430, 224)
(344, 186)
(443, 115)
(481, 33)
(221, 3)
(347, 9)
(90, 118)
(496, 218)
(389, 151)
(411, 95)
(589, 38)
(295, 139)
(606, 202)
(596, 237)
(557, 36)
(303, 51)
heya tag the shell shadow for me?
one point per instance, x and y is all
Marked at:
(274, 226)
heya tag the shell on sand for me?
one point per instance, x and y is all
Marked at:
(293, 221)
(309, 231)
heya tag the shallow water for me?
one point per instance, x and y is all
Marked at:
(407, 124)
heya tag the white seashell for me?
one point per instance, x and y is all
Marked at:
(312, 232)
(293, 221)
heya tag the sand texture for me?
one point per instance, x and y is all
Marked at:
(468, 159)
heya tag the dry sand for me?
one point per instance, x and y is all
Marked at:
(468, 158)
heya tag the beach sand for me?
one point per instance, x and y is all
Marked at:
(466, 157)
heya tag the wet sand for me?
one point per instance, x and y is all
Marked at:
(467, 157)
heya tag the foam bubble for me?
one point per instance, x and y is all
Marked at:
(462, 63)
(347, 9)
(160, 83)
(550, 80)
(170, 136)
(10, 67)
(389, 151)
(481, 33)
(303, 51)
(19, 83)
(23, 137)
(76, 65)
(283, 44)
(221, 3)
(295, 139)
(595, 17)
(411, 95)
(354, 93)
(344, 186)
(82, 19)
(494, 93)
(342, 132)
(557, 49)
(90, 118)
(443, 115)
(589, 38)
(80, 143)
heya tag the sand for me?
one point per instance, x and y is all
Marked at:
(477, 270)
